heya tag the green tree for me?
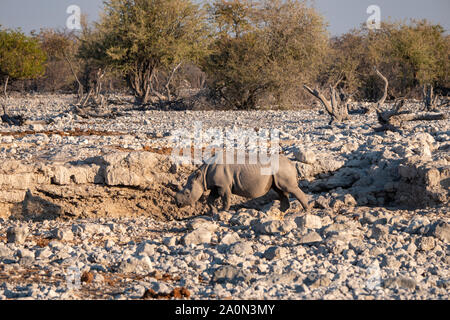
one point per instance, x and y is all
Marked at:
(264, 51)
(138, 38)
(21, 57)
(410, 55)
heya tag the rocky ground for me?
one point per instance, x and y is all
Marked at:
(87, 210)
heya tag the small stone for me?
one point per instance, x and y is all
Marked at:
(400, 282)
(5, 252)
(390, 262)
(202, 223)
(300, 251)
(418, 225)
(442, 231)
(356, 245)
(146, 249)
(170, 241)
(350, 201)
(91, 228)
(242, 219)
(411, 248)
(379, 231)
(22, 253)
(43, 253)
(139, 265)
(336, 246)
(310, 238)
(16, 235)
(309, 221)
(275, 253)
(230, 274)
(274, 227)
(305, 156)
(337, 204)
(368, 218)
(199, 236)
(109, 244)
(317, 281)
(229, 238)
(427, 243)
(61, 234)
(241, 249)
(323, 203)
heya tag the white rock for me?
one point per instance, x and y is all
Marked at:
(196, 237)
(139, 265)
(17, 234)
(305, 156)
(230, 238)
(309, 221)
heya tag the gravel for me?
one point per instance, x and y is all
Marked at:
(354, 244)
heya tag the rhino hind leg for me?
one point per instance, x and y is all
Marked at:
(291, 188)
(301, 196)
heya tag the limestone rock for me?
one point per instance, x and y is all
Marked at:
(305, 156)
(231, 274)
(16, 235)
(199, 236)
(136, 264)
(311, 238)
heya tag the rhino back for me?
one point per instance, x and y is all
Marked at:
(244, 180)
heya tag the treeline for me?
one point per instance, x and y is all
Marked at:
(245, 54)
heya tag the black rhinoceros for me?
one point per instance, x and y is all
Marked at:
(246, 180)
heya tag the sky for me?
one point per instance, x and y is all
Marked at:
(341, 15)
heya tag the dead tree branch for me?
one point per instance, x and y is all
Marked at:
(337, 106)
(377, 106)
(394, 119)
(430, 99)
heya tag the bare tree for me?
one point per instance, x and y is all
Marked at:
(337, 106)
(430, 99)
(394, 119)
(377, 106)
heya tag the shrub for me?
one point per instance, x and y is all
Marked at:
(21, 57)
(264, 51)
(141, 37)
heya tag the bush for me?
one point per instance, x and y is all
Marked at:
(137, 39)
(21, 57)
(264, 52)
(63, 68)
(409, 55)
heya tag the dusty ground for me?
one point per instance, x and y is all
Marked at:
(91, 199)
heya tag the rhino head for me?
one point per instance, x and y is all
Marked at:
(192, 192)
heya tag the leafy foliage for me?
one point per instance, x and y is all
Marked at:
(21, 57)
(410, 55)
(264, 51)
(138, 37)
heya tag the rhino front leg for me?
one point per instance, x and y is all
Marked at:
(225, 194)
(213, 195)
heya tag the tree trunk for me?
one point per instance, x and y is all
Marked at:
(337, 107)
(80, 85)
(140, 81)
(5, 93)
(393, 120)
(169, 97)
(377, 106)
